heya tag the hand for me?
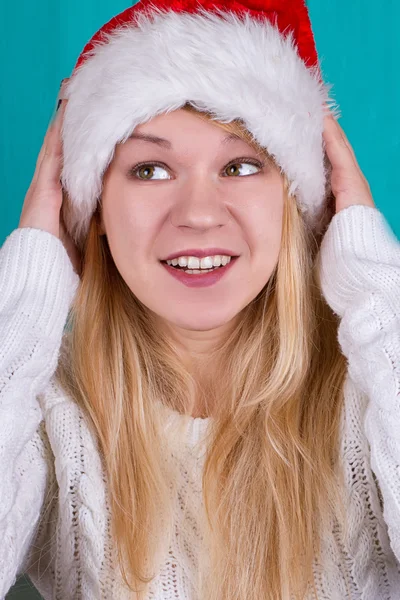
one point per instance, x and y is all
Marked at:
(43, 200)
(349, 186)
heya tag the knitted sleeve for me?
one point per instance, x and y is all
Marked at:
(37, 284)
(359, 270)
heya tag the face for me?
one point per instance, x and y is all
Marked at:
(197, 192)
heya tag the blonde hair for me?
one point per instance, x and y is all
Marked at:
(272, 480)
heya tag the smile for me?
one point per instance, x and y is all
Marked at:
(197, 277)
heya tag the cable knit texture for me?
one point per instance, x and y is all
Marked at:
(54, 506)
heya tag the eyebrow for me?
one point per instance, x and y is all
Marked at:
(167, 144)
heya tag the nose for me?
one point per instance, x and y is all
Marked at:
(200, 205)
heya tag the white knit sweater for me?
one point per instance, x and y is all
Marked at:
(54, 510)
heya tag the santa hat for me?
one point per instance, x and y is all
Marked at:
(253, 60)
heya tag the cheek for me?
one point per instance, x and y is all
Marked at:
(264, 235)
(131, 224)
(262, 219)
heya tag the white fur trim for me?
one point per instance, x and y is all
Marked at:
(234, 67)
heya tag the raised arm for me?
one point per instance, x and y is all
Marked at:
(37, 285)
(359, 266)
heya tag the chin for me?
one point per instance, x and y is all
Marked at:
(205, 321)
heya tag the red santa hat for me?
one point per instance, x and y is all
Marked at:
(254, 60)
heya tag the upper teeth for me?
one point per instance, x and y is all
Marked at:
(192, 262)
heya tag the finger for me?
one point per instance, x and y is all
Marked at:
(339, 149)
(351, 149)
(345, 139)
(40, 159)
(43, 149)
(336, 148)
(50, 167)
(346, 143)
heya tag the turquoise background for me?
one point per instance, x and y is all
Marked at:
(358, 43)
(359, 48)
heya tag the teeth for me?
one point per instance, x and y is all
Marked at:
(197, 271)
(193, 263)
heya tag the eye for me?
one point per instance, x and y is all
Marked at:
(251, 167)
(145, 171)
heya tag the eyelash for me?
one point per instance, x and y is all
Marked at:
(256, 163)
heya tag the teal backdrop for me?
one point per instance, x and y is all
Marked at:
(357, 41)
(358, 44)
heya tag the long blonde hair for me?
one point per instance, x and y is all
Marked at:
(272, 479)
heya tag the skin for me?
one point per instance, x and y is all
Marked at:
(198, 205)
(216, 217)
(349, 184)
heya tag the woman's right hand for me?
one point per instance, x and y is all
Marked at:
(43, 200)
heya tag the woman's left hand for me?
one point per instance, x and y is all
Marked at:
(349, 186)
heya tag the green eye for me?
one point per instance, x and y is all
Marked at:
(156, 171)
(251, 168)
(146, 172)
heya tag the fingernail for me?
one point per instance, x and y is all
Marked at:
(60, 98)
(56, 110)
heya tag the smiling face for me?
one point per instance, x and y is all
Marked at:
(210, 192)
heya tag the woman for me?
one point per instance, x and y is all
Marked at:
(220, 417)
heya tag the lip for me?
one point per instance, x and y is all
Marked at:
(202, 279)
(201, 253)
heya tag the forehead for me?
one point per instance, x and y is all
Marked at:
(182, 130)
(181, 123)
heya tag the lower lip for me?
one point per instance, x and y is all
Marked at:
(201, 279)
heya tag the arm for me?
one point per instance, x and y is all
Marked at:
(359, 270)
(37, 284)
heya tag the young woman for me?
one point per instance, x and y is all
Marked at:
(200, 338)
